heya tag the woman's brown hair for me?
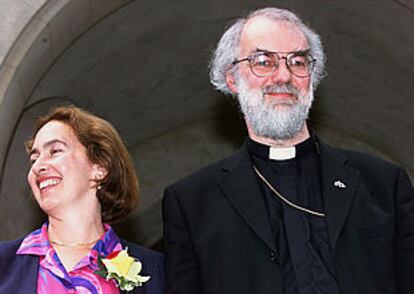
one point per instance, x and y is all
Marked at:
(118, 190)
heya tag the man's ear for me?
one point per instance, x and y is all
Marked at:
(231, 82)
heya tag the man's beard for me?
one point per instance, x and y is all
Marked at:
(274, 119)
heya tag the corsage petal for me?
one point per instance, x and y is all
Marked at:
(124, 269)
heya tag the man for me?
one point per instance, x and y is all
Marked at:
(287, 213)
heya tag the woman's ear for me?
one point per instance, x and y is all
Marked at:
(99, 172)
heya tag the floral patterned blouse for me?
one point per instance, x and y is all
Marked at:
(53, 277)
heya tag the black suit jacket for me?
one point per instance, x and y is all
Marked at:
(218, 237)
(18, 273)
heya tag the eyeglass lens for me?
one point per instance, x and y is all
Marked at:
(265, 64)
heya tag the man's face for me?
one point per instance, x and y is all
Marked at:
(275, 106)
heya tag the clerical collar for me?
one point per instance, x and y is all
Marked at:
(283, 153)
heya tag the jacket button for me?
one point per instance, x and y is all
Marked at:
(272, 256)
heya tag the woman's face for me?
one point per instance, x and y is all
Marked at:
(61, 176)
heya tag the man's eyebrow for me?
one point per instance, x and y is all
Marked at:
(302, 52)
(298, 52)
(259, 50)
(46, 145)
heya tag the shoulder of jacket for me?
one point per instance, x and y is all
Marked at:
(204, 176)
(141, 251)
(371, 168)
(10, 245)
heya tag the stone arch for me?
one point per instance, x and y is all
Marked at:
(48, 32)
(185, 124)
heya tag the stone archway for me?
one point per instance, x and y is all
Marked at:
(47, 31)
(144, 67)
(35, 34)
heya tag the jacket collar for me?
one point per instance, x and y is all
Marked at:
(339, 186)
(240, 186)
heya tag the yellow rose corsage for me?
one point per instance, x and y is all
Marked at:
(123, 268)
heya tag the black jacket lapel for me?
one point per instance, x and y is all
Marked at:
(240, 185)
(339, 182)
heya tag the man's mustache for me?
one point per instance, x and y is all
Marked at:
(287, 88)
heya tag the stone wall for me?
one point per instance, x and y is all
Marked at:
(143, 66)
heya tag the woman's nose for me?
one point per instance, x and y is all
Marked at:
(39, 166)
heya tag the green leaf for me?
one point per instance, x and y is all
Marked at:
(101, 273)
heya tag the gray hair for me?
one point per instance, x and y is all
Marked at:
(227, 49)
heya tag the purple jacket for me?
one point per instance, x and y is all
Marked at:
(18, 273)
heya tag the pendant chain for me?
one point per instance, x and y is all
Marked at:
(285, 200)
(73, 244)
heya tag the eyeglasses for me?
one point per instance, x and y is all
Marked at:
(264, 63)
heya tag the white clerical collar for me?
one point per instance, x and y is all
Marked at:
(282, 153)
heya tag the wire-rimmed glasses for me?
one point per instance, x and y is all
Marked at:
(263, 63)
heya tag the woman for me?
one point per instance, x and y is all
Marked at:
(83, 178)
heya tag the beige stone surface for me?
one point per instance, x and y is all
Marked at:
(14, 15)
(144, 68)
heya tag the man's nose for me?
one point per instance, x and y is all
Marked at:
(282, 74)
